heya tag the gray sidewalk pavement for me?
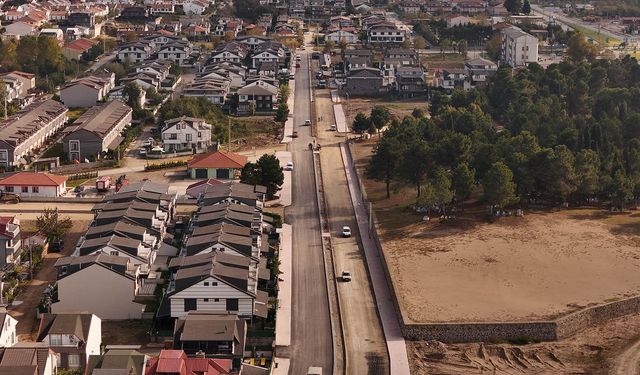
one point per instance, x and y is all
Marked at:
(283, 314)
(396, 346)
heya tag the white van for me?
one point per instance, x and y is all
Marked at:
(314, 371)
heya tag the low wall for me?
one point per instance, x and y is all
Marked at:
(474, 332)
(570, 324)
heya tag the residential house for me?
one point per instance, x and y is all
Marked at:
(197, 7)
(56, 34)
(8, 335)
(410, 81)
(257, 96)
(75, 49)
(480, 70)
(219, 164)
(186, 133)
(386, 34)
(34, 184)
(338, 36)
(133, 13)
(96, 131)
(27, 81)
(234, 52)
(29, 358)
(470, 7)
(12, 88)
(518, 48)
(197, 188)
(410, 7)
(261, 55)
(19, 29)
(163, 7)
(215, 335)
(101, 284)
(454, 20)
(135, 52)
(253, 41)
(117, 361)
(176, 51)
(452, 78)
(144, 80)
(73, 336)
(215, 90)
(364, 81)
(22, 134)
(87, 91)
(198, 32)
(252, 196)
(160, 69)
(215, 282)
(119, 93)
(84, 19)
(10, 244)
(176, 362)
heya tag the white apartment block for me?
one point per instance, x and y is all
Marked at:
(518, 48)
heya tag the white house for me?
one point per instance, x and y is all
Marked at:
(20, 28)
(385, 34)
(86, 91)
(27, 80)
(186, 133)
(34, 184)
(452, 78)
(264, 56)
(518, 47)
(135, 52)
(480, 70)
(178, 51)
(339, 35)
(8, 334)
(196, 7)
(73, 336)
(215, 90)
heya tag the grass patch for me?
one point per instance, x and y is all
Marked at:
(601, 39)
(126, 332)
(74, 113)
(56, 150)
(74, 183)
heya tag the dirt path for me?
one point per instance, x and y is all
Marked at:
(628, 363)
(25, 305)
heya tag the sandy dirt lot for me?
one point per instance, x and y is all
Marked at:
(596, 350)
(398, 108)
(536, 267)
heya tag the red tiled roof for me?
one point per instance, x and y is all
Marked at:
(33, 179)
(218, 159)
(81, 45)
(176, 362)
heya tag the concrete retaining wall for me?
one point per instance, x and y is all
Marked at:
(570, 324)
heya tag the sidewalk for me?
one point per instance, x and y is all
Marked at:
(291, 103)
(338, 110)
(285, 192)
(283, 314)
(395, 342)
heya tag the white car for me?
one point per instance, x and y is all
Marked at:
(289, 166)
(346, 276)
(333, 127)
(307, 122)
(346, 231)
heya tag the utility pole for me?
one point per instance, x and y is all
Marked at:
(229, 134)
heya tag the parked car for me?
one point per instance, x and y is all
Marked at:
(333, 127)
(297, 65)
(307, 122)
(294, 134)
(56, 246)
(346, 231)
(78, 189)
(142, 152)
(346, 276)
(289, 166)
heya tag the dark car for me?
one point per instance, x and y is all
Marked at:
(294, 134)
(78, 189)
(56, 246)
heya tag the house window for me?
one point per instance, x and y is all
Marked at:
(206, 283)
(73, 360)
(114, 253)
(25, 189)
(232, 304)
(190, 304)
(35, 189)
(199, 134)
(55, 340)
(216, 300)
(215, 283)
(188, 137)
(8, 189)
(9, 243)
(206, 300)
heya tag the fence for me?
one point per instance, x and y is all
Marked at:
(83, 176)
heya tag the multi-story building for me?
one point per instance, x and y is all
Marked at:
(96, 131)
(22, 135)
(10, 242)
(186, 133)
(178, 51)
(518, 47)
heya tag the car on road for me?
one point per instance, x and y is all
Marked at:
(297, 65)
(307, 122)
(289, 166)
(294, 134)
(345, 276)
(78, 189)
(56, 246)
(142, 152)
(346, 231)
(333, 127)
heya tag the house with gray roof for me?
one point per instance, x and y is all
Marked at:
(117, 362)
(96, 131)
(28, 358)
(73, 336)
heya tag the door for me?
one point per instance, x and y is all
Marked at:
(222, 173)
(232, 304)
(202, 173)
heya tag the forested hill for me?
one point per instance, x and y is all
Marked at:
(568, 133)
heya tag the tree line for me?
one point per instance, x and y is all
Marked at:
(570, 133)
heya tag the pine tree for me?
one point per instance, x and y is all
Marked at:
(526, 7)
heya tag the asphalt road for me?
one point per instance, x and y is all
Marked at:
(572, 22)
(311, 340)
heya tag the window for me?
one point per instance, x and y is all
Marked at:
(206, 299)
(190, 304)
(199, 134)
(55, 340)
(9, 189)
(216, 300)
(114, 253)
(232, 304)
(35, 189)
(73, 361)
(188, 137)
(9, 243)
(206, 283)
(215, 283)
(25, 189)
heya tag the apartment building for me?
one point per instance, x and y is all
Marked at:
(186, 133)
(24, 133)
(518, 48)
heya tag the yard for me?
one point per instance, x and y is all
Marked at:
(545, 264)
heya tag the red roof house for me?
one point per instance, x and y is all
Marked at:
(219, 165)
(177, 362)
(75, 49)
(34, 184)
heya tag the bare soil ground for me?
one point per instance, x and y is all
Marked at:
(126, 332)
(398, 107)
(597, 350)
